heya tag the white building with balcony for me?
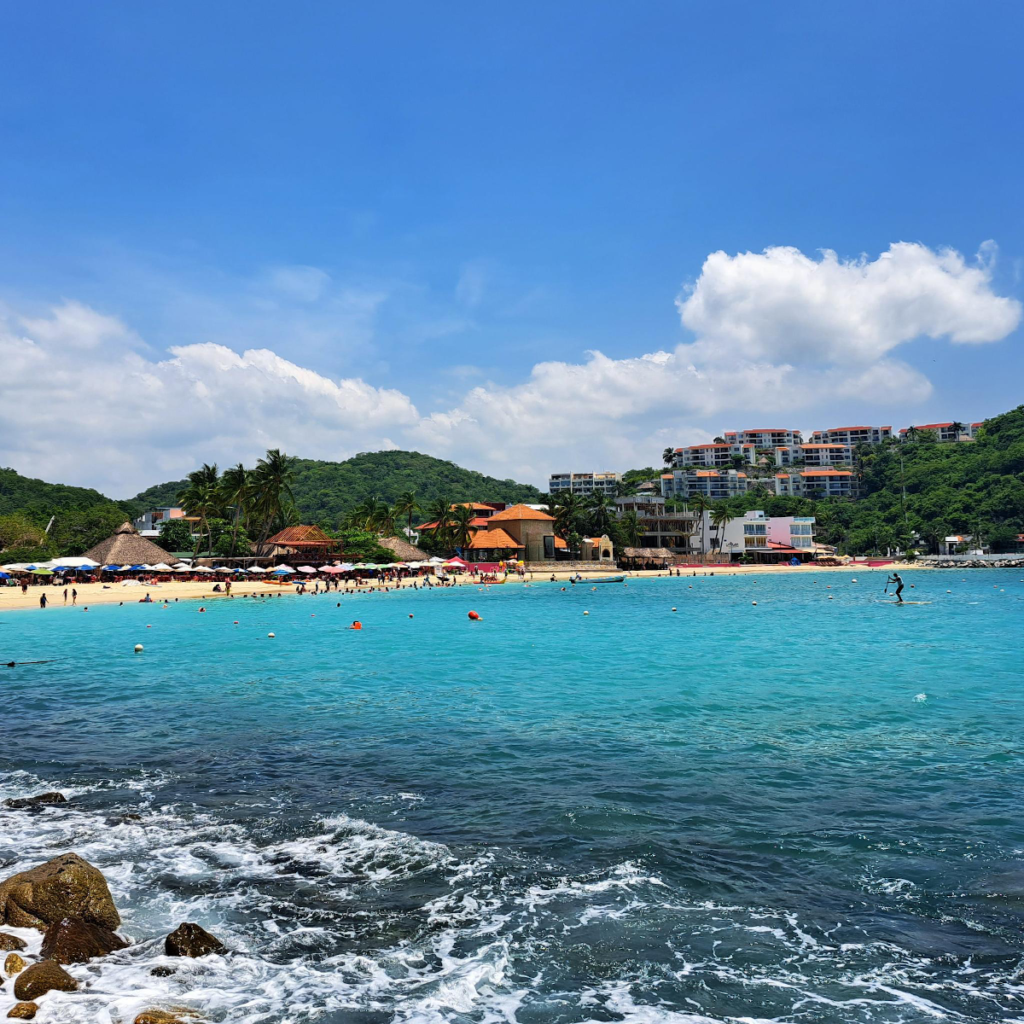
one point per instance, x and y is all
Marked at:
(585, 483)
(945, 432)
(714, 456)
(769, 538)
(764, 437)
(852, 436)
(712, 483)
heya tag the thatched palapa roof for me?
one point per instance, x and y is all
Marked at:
(125, 547)
(404, 551)
(301, 537)
(648, 553)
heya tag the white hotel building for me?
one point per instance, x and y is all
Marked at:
(585, 483)
(764, 437)
(714, 456)
(852, 436)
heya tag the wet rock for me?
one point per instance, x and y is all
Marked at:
(41, 978)
(23, 1011)
(73, 941)
(66, 886)
(9, 942)
(167, 1017)
(161, 971)
(41, 800)
(14, 964)
(189, 939)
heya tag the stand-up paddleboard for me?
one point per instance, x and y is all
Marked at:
(903, 602)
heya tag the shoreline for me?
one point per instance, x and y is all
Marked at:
(93, 594)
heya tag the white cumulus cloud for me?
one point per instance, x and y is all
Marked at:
(781, 304)
(84, 400)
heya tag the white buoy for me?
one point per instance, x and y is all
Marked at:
(586, 613)
(754, 603)
(139, 648)
(673, 609)
(271, 636)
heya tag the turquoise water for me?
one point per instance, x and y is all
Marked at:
(803, 810)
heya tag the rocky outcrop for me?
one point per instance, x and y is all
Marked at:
(23, 1011)
(42, 800)
(189, 939)
(73, 941)
(43, 977)
(9, 942)
(1009, 562)
(66, 886)
(14, 964)
(167, 1017)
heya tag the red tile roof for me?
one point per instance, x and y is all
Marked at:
(495, 537)
(517, 512)
(826, 472)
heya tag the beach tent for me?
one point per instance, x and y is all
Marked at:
(74, 563)
(456, 562)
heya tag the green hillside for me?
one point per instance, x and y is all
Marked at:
(325, 491)
(38, 500)
(922, 488)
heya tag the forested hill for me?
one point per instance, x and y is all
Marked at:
(324, 491)
(38, 500)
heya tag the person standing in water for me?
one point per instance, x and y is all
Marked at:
(898, 580)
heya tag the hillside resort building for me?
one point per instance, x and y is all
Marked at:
(585, 483)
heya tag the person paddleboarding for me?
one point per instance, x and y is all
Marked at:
(898, 580)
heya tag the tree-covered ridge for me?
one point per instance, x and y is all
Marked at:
(38, 500)
(326, 491)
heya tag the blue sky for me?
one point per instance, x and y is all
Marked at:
(422, 218)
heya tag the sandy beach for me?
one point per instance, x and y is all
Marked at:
(90, 594)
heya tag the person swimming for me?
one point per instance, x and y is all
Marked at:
(898, 580)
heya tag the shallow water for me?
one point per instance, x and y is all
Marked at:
(809, 810)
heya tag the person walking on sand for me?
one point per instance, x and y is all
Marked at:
(898, 580)
(42, 600)
(65, 595)
(74, 596)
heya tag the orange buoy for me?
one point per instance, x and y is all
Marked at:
(475, 616)
(356, 625)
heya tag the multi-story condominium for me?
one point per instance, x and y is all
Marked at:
(661, 529)
(816, 483)
(852, 436)
(777, 537)
(765, 437)
(712, 483)
(814, 456)
(584, 483)
(951, 431)
(714, 456)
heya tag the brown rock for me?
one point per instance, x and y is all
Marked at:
(9, 942)
(73, 941)
(23, 1011)
(41, 978)
(190, 940)
(14, 964)
(166, 1017)
(66, 886)
(26, 802)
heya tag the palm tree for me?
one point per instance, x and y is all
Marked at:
(383, 519)
(668, 456)
(462, 528)
(406, 506)
(567, 509)
(911, 434)
(720, 518)
(440, 511)
(700, 503)
(958, 428)
(235, 488)
(202, 498)
(273, 477)
(600, 514)
(629, 523)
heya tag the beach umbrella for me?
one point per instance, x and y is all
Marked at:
(42, 572)
(436, 561)
(257, 568)
(162, 567)
(111, 568)
(5, 575)
(223, 568)
(287, 568)
(182, 567)
(282, 571)
(306, 568)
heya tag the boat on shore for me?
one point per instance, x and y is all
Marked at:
(607, 579)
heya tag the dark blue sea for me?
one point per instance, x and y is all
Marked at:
(681, 807)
